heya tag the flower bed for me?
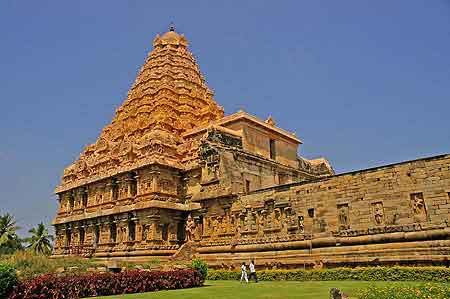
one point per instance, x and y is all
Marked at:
(438, 274)
(74, 287)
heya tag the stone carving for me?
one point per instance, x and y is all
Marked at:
(145, 230)
(190, 228)
(291, 219)
(418, 207)
(216, 136)
(344, 222)
(395, 218)
(301, 224)
(378, 213)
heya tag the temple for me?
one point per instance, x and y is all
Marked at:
(172, 177)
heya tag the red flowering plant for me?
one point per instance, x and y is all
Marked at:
(104, 284)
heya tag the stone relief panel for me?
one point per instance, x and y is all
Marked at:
(378, 213)
(268, 221)
(301, 224)
(343, 216)
(210, 158)
(418, 207)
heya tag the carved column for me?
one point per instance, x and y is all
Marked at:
(154, 233)
(172, 233)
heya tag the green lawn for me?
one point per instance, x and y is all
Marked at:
(264, 289)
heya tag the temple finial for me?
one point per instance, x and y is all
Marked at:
(171, 26)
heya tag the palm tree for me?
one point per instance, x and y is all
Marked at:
(40, 241)
(9, 241)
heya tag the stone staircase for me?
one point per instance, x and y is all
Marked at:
(186, 252)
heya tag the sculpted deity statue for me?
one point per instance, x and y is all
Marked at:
(343, 216)
(418, 207)
(301, 224)
(378, 213)
(268, 220)
(277, 218)
(145, 232)
(215, 226)
(291, 220)
(253, 221)
(190, 228)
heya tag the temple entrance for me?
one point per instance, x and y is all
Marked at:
(165, 232)
(181, 236)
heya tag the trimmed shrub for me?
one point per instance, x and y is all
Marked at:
(424, 291)
(8, 279)
(437, 274)
(105, 284)
(201, 267)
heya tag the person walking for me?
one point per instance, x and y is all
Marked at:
(244, 272)
(253, 271)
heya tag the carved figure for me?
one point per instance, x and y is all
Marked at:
(291, 220)
(190, 228)
(378, 213)
(301, 224)
(343, 216)
(277, 218)
(268, 222)
(418, 207)
(145, 232)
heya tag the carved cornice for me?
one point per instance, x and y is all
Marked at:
(242, 115)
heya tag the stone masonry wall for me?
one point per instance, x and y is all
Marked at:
(393, 213)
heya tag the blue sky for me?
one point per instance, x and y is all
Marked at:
(363, 83)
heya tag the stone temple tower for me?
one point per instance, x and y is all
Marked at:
(172, 177)
(170, 153)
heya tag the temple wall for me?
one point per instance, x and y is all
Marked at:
(351, 214)
(142, 232)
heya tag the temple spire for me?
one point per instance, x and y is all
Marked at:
(171, 26)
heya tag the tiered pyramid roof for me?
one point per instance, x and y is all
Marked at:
(168, 98)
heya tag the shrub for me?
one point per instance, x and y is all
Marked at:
(201, 267)
(8, 279)
(437, 274)
(424, 291)
(29, 264)
(105, 284)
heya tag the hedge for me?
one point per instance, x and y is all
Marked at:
(104, 284)
(201, 267)
(438, 274)
(424, 291)
(8, 279)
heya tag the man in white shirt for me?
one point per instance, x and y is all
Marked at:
(244, 273)
(253, 271)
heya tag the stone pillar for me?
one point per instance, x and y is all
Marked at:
(172, 233)
(154, 232)
(89, 234)
(138, 231)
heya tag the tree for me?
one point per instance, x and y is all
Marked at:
(9, 241)
(40, 241)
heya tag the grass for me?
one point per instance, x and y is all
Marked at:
(266, 289)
